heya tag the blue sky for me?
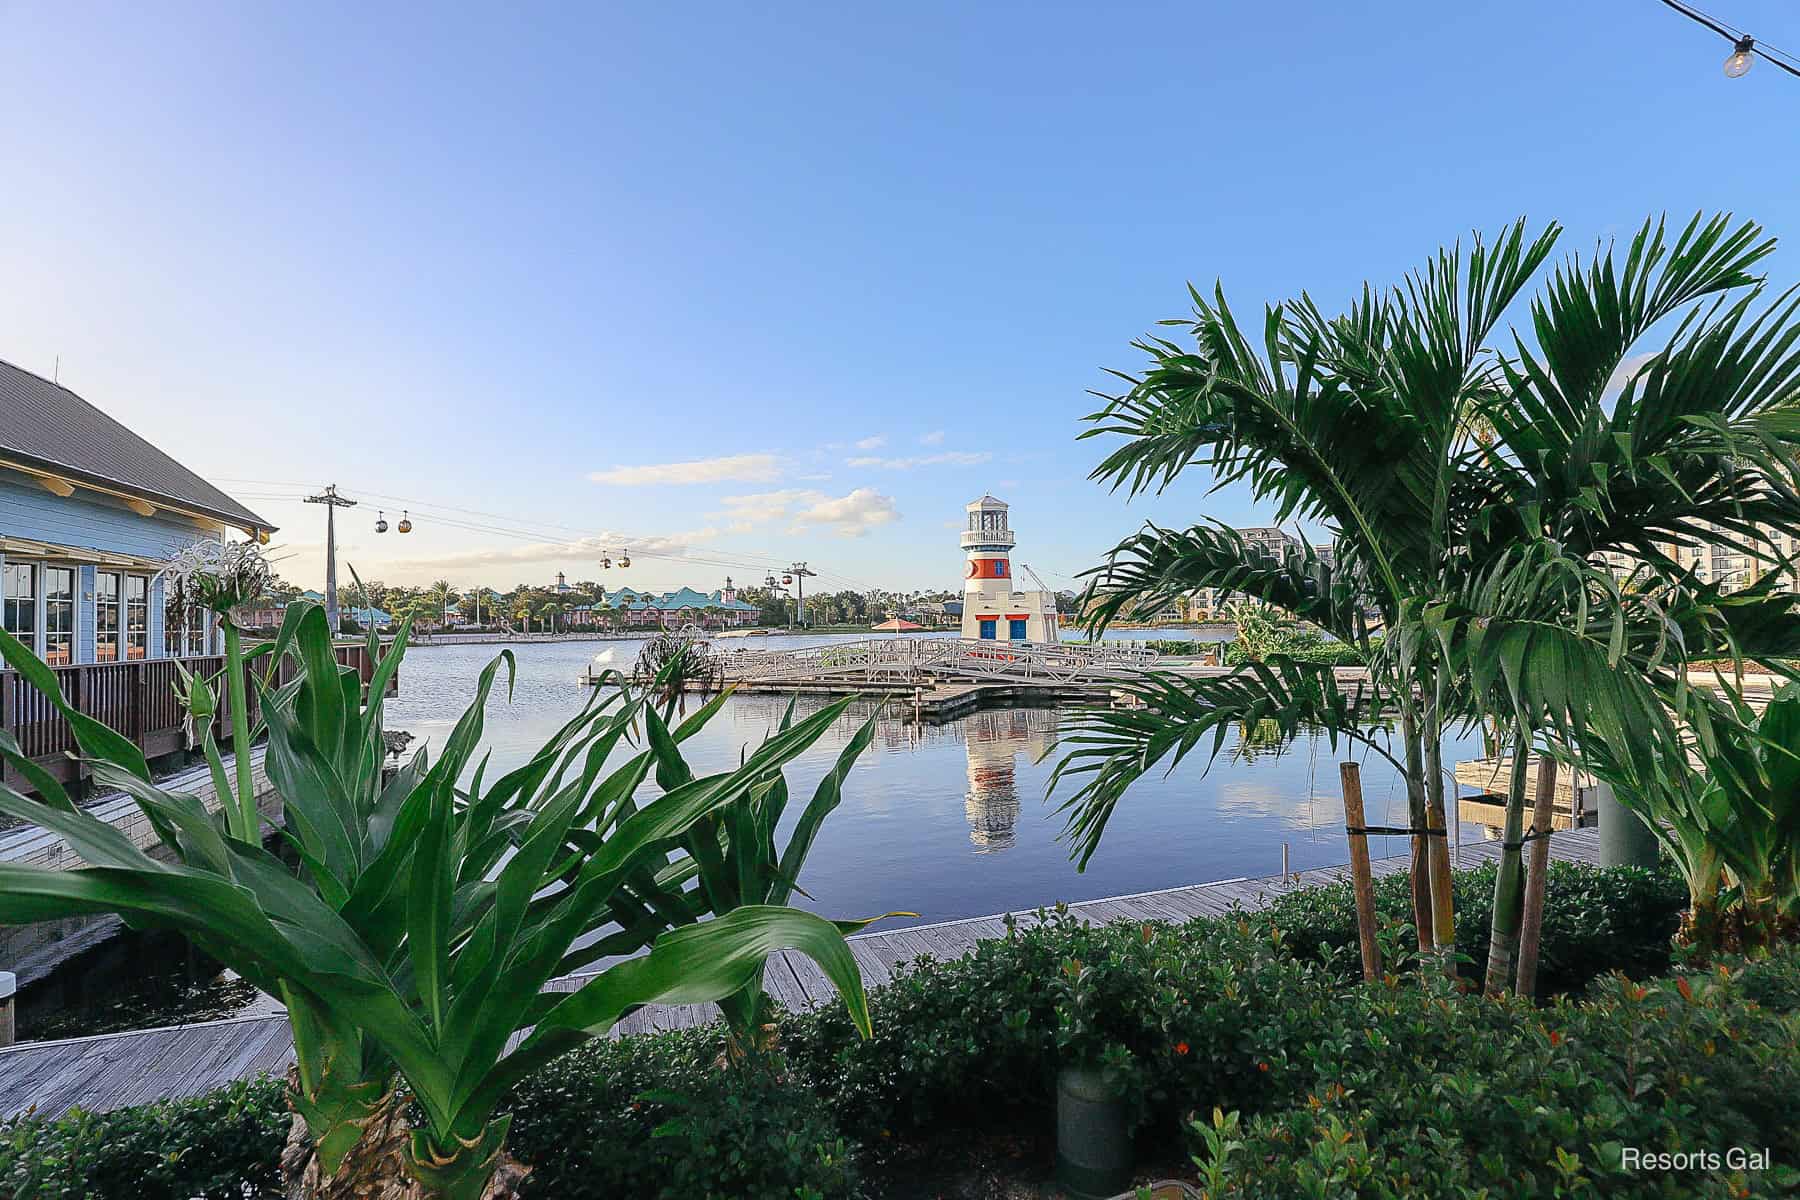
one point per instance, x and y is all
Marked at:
(750, 284)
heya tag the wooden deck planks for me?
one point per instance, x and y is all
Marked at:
(115, 1070)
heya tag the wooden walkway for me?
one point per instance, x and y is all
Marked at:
(116, 1070)
(33, 951)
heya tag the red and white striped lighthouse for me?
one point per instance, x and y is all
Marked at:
(991, 609)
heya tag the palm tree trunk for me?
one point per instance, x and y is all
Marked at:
(1531, 928)
(1443, 904)
(1509, 884)
(1420, 867)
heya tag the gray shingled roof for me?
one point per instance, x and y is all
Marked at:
(45, 424)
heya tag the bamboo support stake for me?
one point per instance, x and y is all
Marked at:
(1362, 879)
(1537, 866)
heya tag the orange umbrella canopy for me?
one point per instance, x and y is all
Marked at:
(895, 626)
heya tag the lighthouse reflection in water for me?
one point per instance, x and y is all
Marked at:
(993, 740)
(951, 820)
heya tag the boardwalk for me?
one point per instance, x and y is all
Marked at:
(115, 1070)
(33, 951)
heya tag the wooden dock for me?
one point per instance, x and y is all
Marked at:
(1482, 783)
(115, 1070)
(33, 951)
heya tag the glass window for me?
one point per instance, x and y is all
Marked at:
(185, 638)
(106, 617)
(987, 627)
(137, 616)
(59, 615)
(20, 615)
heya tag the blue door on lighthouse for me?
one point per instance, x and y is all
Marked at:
(987, 627)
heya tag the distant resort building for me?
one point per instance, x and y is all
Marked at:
(268, 614)
(90, 514)
(628, 608)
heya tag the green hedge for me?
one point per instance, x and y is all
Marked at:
(654, 1118)
(1340, 1089)
(1596, 921)
(1315, 650)
(224, 1144)
(1429, 1089)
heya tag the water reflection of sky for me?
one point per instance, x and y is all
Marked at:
(950, 821)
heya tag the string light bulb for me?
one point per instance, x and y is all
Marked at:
(1745, 50)
(1738, 64)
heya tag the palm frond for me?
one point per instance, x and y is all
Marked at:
(1162, 718)
(1155, 567)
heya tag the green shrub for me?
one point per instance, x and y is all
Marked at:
(1773, 982)
(1304, 648)
(750, 1135)
(1260, 1014)
(223, 1144)
(1425, 1088)
(1596, 920)
(582, 1121)
(1212, 1008)
(657, 1117)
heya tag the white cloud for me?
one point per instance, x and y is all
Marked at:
(934, 438)
(540, 552)
(851, 515)
(746, 511)
(872, 443)
(954, 458)
(814, 477)
(735, 468)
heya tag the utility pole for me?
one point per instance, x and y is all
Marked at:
(332, 502)
(799, 572)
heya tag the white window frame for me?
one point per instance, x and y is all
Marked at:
(37, 601)
(125, 602)
(118, 607)
(74, 603)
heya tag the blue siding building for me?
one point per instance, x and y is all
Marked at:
(90, 514)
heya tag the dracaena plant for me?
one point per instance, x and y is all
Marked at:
(1728, 813)
(412, 943)
(731, 858)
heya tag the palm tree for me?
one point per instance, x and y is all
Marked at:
(441, 591)
(1436, 457)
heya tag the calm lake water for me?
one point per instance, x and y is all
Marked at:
(950, 821)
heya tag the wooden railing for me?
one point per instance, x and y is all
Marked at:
(137, 698)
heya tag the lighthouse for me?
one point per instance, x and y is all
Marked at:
(992, 611)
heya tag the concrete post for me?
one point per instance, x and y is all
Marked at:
(1625, 841)
(9, 984)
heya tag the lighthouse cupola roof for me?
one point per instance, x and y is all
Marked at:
(987, 501)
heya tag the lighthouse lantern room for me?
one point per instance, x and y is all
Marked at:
(992, 611)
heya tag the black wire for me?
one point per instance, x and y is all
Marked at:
(1694, 14)
(1762, 50)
